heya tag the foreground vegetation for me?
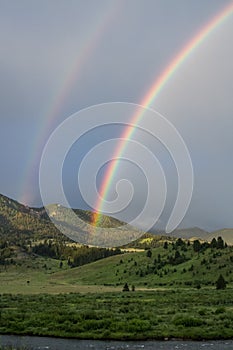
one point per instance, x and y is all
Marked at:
(170, 291)
(192, 314)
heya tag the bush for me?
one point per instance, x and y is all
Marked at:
(202, 312)
(187, 321)
(220, 310)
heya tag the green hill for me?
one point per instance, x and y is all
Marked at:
(18, 217)
(29, 241)
(26, 233)
(109, 232)
(173, 264)
(21, 223)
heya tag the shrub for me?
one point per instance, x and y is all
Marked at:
(202, 312)
(220, 310)
(187, 321)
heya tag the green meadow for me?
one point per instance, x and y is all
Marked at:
(172, 294)
(173, 313)
(172, 265)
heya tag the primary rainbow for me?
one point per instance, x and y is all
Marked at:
(152, 93)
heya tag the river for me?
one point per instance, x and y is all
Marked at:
(43, 343)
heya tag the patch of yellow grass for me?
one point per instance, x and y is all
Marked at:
(147, 240)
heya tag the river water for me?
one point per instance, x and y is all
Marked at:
(43, 343)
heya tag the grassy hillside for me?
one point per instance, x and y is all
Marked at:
(109, 232)
(31, 248)
(178, 265)
(19, 223)
(18, 217)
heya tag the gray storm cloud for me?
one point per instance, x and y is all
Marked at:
(41, 41)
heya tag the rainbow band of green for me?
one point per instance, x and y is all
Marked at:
(150, 96)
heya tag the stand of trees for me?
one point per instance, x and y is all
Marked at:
(75, 256)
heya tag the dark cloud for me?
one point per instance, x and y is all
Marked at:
(42, 43)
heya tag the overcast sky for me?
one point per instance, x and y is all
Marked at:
(58, 57)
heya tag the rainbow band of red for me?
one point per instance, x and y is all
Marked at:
(150, 96)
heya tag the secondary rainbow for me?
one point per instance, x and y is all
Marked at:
(67, 81)
(150, 96)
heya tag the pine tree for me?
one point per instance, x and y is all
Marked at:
(196, 245)
(213, 243)
(125, 288)
(221, 283)
(220, 243)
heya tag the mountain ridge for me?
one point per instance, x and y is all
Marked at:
(15, 216)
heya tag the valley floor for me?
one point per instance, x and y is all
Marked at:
(175, 295)
(169, 313)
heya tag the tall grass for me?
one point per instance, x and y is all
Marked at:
(181, 313)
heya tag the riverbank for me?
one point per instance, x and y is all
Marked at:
(172, 313)
(35, 343)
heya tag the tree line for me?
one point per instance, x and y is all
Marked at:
(75, 256)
